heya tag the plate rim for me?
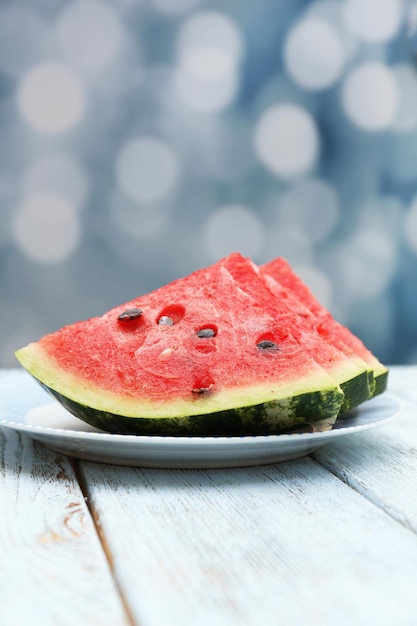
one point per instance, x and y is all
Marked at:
(105, 437)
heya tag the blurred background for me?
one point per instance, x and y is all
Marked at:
(143, 139)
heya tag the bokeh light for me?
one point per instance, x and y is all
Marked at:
(147, 169)
(313, 54)
(50, 98)
(46, 228)
(286, 140)
(209, 51)
(371, 97)
(211, 30)
(375, 21)
(205, 81)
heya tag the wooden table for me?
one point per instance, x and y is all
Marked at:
(329, 539)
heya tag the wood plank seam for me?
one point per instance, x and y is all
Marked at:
(329, 464)
(102, 538)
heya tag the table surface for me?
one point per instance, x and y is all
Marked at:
(329, 539)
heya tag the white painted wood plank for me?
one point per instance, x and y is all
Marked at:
(286, 544)
(382, 464)
(53, 571)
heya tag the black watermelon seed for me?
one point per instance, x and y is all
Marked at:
(200, 391)
(129, 315)
(206, 333)
(166, 321)
(268, 345)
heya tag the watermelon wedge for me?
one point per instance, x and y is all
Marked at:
(284, 282)
(350, 373)
(213, 353)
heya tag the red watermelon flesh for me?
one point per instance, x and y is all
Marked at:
(286, 281)
(351, 374)
(138, 367)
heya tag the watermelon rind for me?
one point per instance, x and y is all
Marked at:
(380, 377)
(275, 417)
(355, 390)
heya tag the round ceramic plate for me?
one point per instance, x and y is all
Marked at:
(25, 407)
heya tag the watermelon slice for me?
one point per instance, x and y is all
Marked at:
(213, 353)
(283, 281)
(350, 373)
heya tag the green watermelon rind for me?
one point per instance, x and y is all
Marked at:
(377, 380)
(276, 417)
(356, 391)
(380, 382)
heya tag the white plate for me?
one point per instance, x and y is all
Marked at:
(25, 407)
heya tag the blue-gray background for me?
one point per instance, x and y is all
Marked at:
(143, 139)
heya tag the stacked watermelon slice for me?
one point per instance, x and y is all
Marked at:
(232, 349)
